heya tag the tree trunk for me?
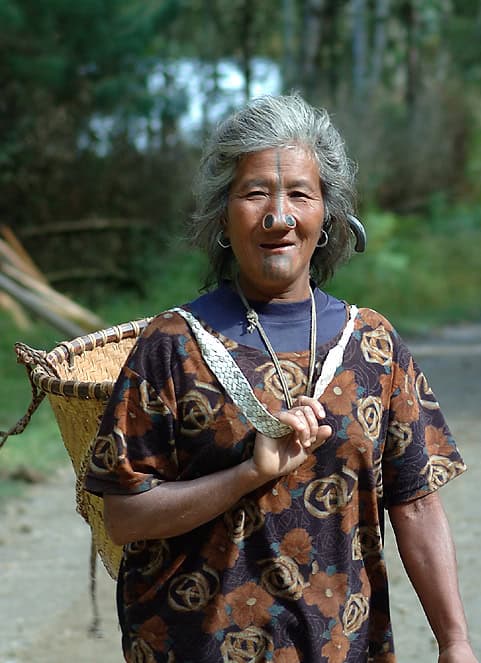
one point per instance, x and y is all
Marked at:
(412, 55)
(379, 42)
(310, 43)
(359, 50)
(248, 15)
(288, 22)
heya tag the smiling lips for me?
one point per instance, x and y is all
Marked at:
(272, 246)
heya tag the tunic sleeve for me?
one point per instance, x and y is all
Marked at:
(420, 454)
(135, 447)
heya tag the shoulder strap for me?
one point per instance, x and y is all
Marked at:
(335, 355)
(220, 362)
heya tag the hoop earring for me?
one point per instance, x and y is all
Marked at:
(325, 240)
(218, 239)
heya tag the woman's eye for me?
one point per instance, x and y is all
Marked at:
(298, 194)
(256, 194)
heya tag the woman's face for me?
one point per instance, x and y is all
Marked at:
(274, 261)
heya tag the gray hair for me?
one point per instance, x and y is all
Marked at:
(265, 123)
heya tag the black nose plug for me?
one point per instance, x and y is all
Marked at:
(269, 220)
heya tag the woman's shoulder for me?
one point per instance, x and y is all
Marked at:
(168, 324)
(368, 317)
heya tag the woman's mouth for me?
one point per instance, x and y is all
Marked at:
(277, 246)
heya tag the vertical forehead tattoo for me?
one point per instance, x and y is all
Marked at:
(279, 181)
(269, 219)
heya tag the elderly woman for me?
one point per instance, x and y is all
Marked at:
(256, 435)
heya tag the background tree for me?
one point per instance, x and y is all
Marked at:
(97, 110)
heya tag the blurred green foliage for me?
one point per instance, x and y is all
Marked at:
(420, 271)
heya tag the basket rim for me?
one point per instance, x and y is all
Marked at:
(43, 374)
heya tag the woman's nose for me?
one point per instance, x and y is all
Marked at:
(279, 221)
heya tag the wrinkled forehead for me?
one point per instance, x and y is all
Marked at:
(290, 160)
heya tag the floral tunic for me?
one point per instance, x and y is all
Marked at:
(295, 571)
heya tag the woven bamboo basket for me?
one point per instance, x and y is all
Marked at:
(77, 377)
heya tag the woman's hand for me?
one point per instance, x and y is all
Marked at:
(457, 652)
(275, 457)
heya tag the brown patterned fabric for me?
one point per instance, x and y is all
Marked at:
(295, 571)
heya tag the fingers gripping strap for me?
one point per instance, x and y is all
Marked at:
(220, 362)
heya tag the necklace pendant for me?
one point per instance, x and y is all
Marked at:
(254, 323)
(252, 320)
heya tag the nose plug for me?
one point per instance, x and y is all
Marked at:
(269, 220)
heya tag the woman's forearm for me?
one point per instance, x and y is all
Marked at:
(176, 507)
(427, 551)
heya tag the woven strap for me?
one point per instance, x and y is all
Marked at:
(335, 355)
(220, 362)
(30, 358)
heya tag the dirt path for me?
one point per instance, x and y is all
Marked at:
(45, 610)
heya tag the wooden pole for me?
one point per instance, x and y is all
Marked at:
(37, 306)
(14, 243)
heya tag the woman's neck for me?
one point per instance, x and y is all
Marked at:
(273, 292)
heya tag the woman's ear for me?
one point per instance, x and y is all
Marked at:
(224, 223)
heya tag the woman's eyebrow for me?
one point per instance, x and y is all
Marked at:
(253, 182)
(301, 183)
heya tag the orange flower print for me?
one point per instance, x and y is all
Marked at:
(405, 407)
(372, 319)
(268, 400)
(365, 582)
(192, 362)
(350, 512)
(303, 474)
(341, 393)
(386, 382)
(297, 544)
(216, 617)
(328, 592)
(154, 632)
(336, 649)
(275, 498)
(220, 553)
(228, 427)
(131, 417)
(404, 401)
(357, 449)
(437, 442)
(287, 655)
(250, 605)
